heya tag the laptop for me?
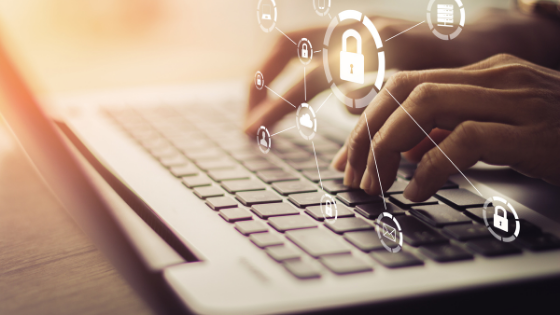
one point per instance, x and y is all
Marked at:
(208, 223)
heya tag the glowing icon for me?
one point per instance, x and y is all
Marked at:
(501, 222)
(264, 140)
(321, 4)
(305, 121)
(328, 208)
(259, 80)
(266, 12)
(389, 232)
(445, 14)
(352, 64)
(304, 51)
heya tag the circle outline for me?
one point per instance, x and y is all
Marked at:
(267, 30)
(269, 140)
(335, 209)
(436, 32)
(516, 218)
(305, 105)
(317, 9)
(378, 229)
(262, 76)
(305, 40)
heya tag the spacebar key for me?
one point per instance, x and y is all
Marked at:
(318, 242)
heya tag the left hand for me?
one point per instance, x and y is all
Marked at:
(503, 111)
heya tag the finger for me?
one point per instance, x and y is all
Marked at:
(268, 112)
(415, 154)
(468, 143)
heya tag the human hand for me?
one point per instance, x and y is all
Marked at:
(502, 111)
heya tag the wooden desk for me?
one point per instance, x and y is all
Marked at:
(47, 265)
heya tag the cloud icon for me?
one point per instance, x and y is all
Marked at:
(305, 121)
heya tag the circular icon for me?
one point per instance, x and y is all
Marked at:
(500, 221)
(264, 141)
(259, 80)
(445, 20)
(305, 51)
(306, 121)
(267, 14)
(352, 65)
(389, 233)
(329, 209)
(322, 7)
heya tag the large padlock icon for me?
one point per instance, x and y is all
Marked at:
(304, 53)
(328, 208)
(501, 222)
(352, 64)
(259, 80)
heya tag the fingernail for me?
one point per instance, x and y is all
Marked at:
(348, 175)
(338, 162)
(411, 191)
(366, 181)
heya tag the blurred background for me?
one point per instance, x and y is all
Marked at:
(80, 45)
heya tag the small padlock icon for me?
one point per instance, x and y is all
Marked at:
(304, 53)
(501, 222)
(352, 64)
(328, 208)
(259, 80)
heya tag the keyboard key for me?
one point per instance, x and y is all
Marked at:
(477, 214)
(166, 151)
(291, 222)
(216, 164)
(295, 156)
(327, 174)
(184, 170)
(466, 232)
(307, 199)
(196, 181)
(235, 186)
(335, 186)
(266, 211)
(406, 171)
(174, 160)
(294, 187)
(397, 188)
(445, 252)
(302, 270)
(396, 260)
(525, 227)
(275, 176)
(308, 165)
(373, 210)
(404, 203)
(342, 212)
(345, 264)
(318, 242)
(263, 240)
(235, 214)
(223, 175)
(249, 198)
(367, 240)
(439, 215)
(460, 198)
(204, 154)
(492, 247)
(217, 203)
(353, 198)
(282, 253)
(255, 166)
(250, 227)
(538, 242)
(208, 191)
(417, 233)
(247, 155)
(344, 225)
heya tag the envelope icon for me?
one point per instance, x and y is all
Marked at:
(389, 232)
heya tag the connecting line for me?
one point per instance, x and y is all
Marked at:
(282, 131)
(323, 103)
(280, 96)
(375, 160)
(317, 51)
(286, 36)
(304, 85)
(405, 30)
(315, 153)
(427, 135)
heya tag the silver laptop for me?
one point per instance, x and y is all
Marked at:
(198, 219)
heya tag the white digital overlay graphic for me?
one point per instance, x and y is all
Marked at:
(329, 209)
(267, 15)
(306, 121)
(346, 64)
(264, 140)
(305, 51)
(445, 18)
(322, 7)
(259, 80)
(500, 220)
(352, 64)
(388, 232)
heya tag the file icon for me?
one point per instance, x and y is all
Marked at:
(389, 232)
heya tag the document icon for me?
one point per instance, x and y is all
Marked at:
(389, 232)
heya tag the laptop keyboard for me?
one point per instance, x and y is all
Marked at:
(273, 199)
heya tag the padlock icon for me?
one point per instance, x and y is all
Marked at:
(352, 64)
(259, 80)
(501, 222)
(304, 53)
(328, 208)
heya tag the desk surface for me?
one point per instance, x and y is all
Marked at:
(47, 265)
